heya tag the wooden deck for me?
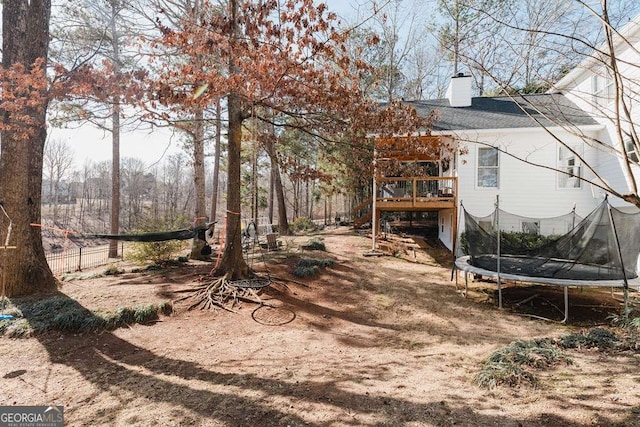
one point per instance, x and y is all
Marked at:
(423, 193)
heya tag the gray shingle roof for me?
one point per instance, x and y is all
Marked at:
(503, 112)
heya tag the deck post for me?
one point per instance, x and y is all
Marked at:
(374, 224)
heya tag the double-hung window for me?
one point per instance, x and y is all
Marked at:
(569, 167)
(488, 167)
(631, 150)
(602, 89)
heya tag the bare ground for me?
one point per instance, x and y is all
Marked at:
(369, 342)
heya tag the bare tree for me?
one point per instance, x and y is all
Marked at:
(97, 33)
(58, 160)
(467, 31)
(604, 84)
(136, 189)
(399, 29)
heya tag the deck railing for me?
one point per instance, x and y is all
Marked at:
(417, 191)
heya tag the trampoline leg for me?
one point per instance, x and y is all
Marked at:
(466, 283)
(499, 294)
(566, 305)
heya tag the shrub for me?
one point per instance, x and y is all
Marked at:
(594, 338)
(310, 262)
(159, 253)
(305, 271)
(515, 242)
(535, 353)
(64, 314)
(315, 245)
(302, 224)
(508, 366)
(495, 374)
(113, 270)
(307, 267)
(522, 242)
(630, 323)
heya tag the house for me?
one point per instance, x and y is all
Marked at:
(591, 87)
(502, 150)
(542, 155)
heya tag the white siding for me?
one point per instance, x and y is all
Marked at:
(445, 227)
(524, 189)
(578, 87)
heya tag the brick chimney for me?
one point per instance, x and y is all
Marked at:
(459, 91)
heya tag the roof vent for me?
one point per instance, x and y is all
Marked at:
(459, 91)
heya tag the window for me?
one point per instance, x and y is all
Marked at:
(488, 168)
(602, 89)
(569, 165)
(631, 150)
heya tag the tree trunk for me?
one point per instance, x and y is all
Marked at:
(232, 263)
(311, 203)
(283, 223)
(194, 11)
(216, 163)
(272, 174)
(296, 192)
(25, 29)
(307, 205)
(115, 179)
(115, 143)
(199, 183)
(254, 182)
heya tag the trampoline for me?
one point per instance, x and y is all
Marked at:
(600, 250)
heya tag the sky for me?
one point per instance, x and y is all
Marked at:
(151, 146)
(90, 143)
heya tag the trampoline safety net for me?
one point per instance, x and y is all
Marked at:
(603, 246)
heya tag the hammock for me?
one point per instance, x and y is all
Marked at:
(161, 236)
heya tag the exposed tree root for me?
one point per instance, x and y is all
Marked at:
(220, 292)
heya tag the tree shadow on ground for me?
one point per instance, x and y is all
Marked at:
(129, 373)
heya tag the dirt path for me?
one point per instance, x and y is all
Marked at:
(369, 342)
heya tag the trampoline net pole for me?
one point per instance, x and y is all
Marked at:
(622, 266)
(566, 304)
(498, 250)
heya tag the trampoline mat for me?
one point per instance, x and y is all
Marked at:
(546, 268)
